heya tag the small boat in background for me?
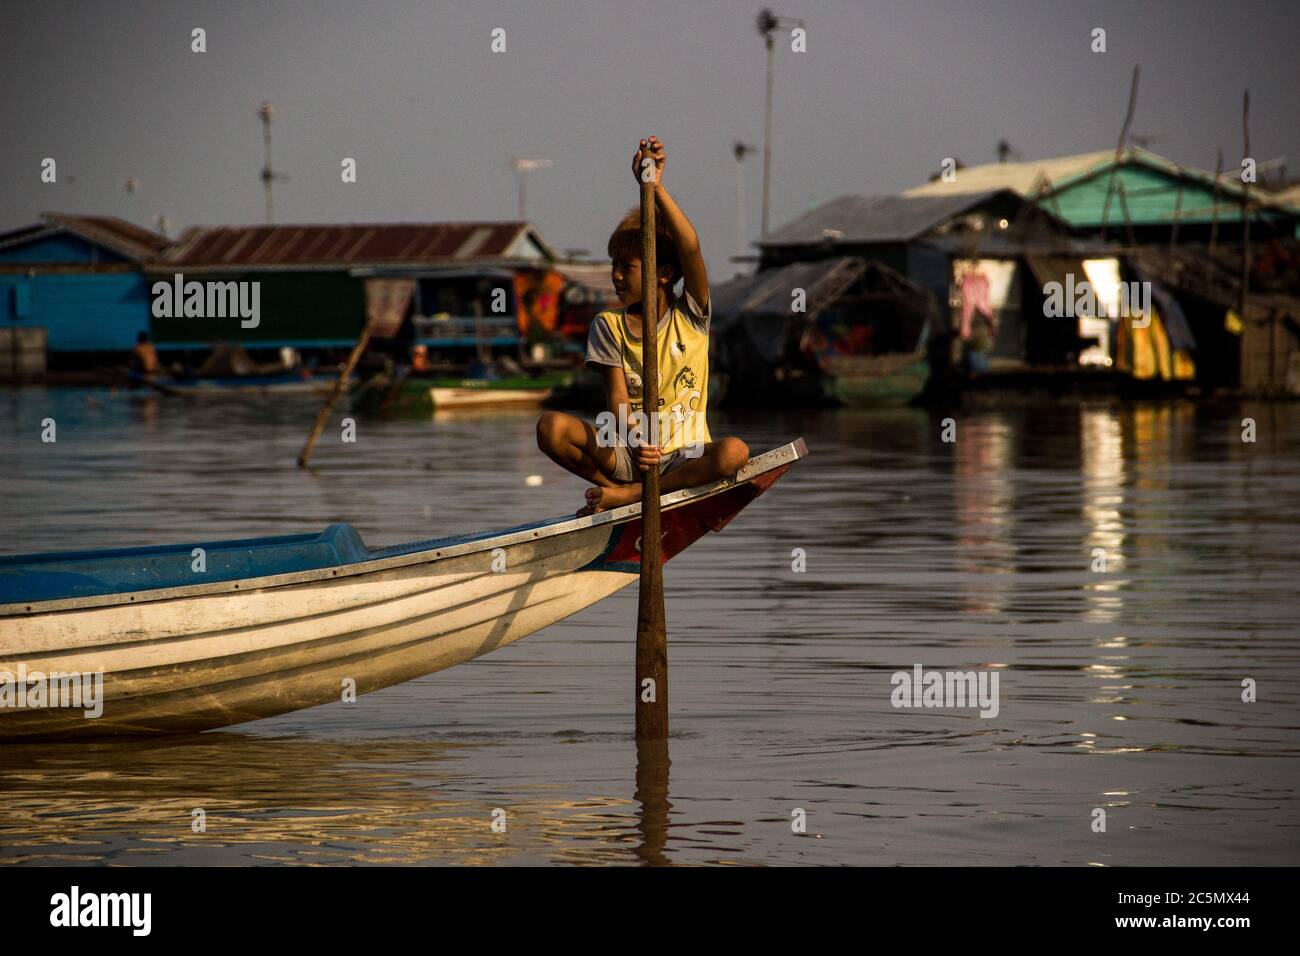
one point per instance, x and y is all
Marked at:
(424, 395)
(286, 383)
(229, 370)
(272, 625)
(868, 380)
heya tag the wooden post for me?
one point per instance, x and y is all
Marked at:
(651, 630)
(1214, 222)
(1244, 299)
(340, 386)
(1119, 150)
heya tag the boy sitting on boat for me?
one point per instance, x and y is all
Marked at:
(614, 453)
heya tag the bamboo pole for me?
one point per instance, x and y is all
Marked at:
(1119, 149)
(323, 416)
(1245, 219)
(651, 630)
(1214, 222)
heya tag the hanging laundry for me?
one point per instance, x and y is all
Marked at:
(975, 298)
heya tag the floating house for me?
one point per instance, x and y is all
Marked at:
(1001, 272)
(76, 291)
(971, 254)
(72, 292)
(461, 285)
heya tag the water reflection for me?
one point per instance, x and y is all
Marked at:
(1121, 685)
(983, 500)
(1102, 452)
(291, 800)
(652, 765)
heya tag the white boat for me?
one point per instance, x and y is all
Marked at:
(272, 625)
(457, 397)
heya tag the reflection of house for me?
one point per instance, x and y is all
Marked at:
(73, 285)
(1134, 196)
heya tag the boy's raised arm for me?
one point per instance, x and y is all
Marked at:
(678, 226)
(688, 247)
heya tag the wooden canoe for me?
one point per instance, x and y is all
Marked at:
(284, 383)
(272, 625)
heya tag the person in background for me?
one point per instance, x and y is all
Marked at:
(420, 360)
(144, 358)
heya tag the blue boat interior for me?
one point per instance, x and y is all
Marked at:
(69, 574)
(75, 574)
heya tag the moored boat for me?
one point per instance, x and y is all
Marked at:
(424, 395)
(273, 625)
(285, 383)
(864, 381)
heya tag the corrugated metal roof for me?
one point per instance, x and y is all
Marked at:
(318, 245)
(770, 292)
(1289, 197)
(592, 275)
(132, 241)
(1022, 178)
(864, 219)
(1039, 177)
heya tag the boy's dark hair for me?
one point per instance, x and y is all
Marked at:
(625, 243)
(142, 337)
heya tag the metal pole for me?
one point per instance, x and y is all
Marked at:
(767, 131)
(267, 174)
(740, 205)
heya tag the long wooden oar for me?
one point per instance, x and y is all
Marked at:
(345, 374)
(651, 631)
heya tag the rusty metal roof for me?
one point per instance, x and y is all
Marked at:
(593, 275)
(351, 245)
(132, 241)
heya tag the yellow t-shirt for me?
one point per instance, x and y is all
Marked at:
(683, 345)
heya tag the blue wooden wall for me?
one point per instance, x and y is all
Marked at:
(62, 248)
(86, 312)
(82, 311)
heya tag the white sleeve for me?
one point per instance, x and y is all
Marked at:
(699, 317)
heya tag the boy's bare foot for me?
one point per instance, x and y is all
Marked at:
(602, 499)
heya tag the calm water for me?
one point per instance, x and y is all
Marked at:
(1119, 690)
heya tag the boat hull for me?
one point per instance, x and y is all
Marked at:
(255, 385)
(200, 657)
(424, 395)
(868, 381)
(444, 398)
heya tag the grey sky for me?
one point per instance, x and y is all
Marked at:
(412, 91)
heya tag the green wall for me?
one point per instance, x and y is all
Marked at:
(301, 309)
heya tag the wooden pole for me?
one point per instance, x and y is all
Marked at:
(651, 630)
(1119, 149)
(1245, 215)
(1214, 222)
(340, 386)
